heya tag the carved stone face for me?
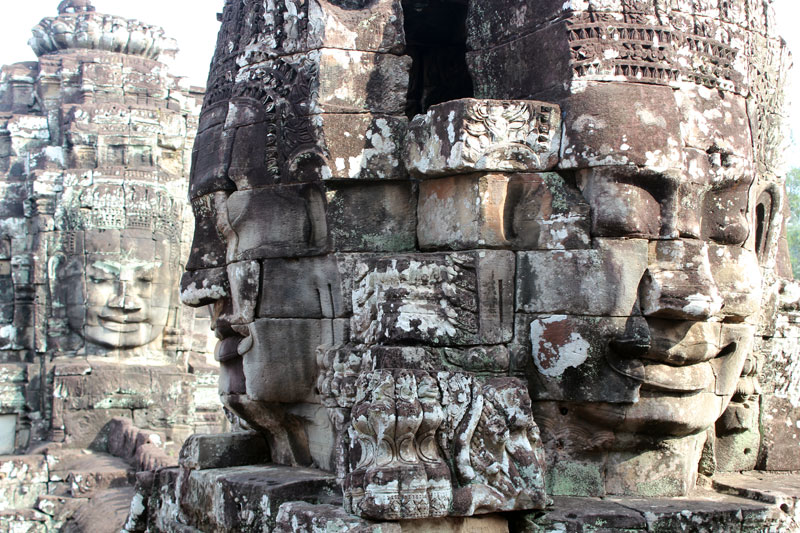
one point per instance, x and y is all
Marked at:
(641, 339)
(118, 287)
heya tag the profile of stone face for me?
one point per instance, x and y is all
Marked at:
(572, 240)
(117, 267)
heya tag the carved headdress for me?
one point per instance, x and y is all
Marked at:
(119, 206)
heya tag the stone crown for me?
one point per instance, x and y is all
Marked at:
(79, 26)
(75, 6)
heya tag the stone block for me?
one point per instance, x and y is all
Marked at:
(517, 211)
(204, 287)
(421, 484)
(208, 246)
(579, 514)
(26, 520)
(470, 135)
(338, 24)
(360, 146)
(245, 280)
(204, 452)
(84, 429)
(313, 148)
(302, 517)
(598, 127)
(603, 281)
(679, 283)
(211, 153)
(279, 357)
(338, 81)
(310, 287)
(375, 217)
(780, 429)
(498, 73)
(440, 299)
(248, 498)
(738, 278)
(279, 221)
(714, 121)
(23, 479)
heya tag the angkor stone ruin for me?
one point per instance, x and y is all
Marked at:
(491, 265)
(102, 372)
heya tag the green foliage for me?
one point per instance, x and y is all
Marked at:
(793, 224)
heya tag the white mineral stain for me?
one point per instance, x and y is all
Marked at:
(558, 358)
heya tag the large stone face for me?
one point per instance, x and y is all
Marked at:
(96, 146)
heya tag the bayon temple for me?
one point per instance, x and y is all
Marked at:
(499, 266)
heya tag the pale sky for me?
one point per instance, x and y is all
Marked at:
(194, 25)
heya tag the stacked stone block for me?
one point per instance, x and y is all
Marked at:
(551, 285)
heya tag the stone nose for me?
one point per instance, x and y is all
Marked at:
(678, 283)
(125, 298)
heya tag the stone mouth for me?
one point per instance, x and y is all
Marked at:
(121, 324)
(227, 348)
(691, 378)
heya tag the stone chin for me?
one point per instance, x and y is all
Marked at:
(672, 401)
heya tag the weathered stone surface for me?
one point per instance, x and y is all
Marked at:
(339, 81)
(332, 25)
(304, 288)
(595, 264)
(308, 518)
(23, 479)
(280, 356)
(204, 452)
(442, 299)
(518, 211)
(297, 225)
(597, 133)
(96, 140)
(702, 511)
(398, 418)
(602, 281)
(484, 135)
(104, 513)
(379, 217)
(249, 498)
(363, 146)
(779, 417)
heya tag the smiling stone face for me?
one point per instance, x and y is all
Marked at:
(119, 288)
(634, 345)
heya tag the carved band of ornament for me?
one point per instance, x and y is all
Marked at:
(647, 55)
(620, 32)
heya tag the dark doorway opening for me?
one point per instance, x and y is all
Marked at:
(436, 40)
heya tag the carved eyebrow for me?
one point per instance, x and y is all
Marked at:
(115, 268)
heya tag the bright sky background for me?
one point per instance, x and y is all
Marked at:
(194, 24)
